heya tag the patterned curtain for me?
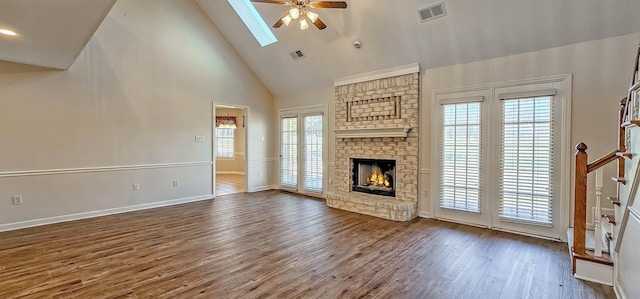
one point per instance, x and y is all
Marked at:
(224, 120)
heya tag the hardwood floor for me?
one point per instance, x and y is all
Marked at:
(277, 245)
(229, 184)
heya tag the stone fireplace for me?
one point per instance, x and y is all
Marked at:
(376, 128)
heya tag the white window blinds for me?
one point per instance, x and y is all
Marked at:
(460, 156)
(527, 159)
(289, 153)
(225, 140)
(312, 175)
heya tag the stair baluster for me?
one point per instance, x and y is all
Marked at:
(597, 251)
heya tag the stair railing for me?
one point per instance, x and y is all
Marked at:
(580, 199)
(583, 168)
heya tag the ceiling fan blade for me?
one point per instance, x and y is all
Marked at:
(328, 4)
(272, 2)
(280, 22)
(319, 24)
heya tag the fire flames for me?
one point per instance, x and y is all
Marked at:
(377, 179)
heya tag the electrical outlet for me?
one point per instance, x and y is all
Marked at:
(136, 187)
(17, 200)
(175, 183)
(199, 138)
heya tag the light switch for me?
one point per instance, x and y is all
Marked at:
(199, 138)
(262, 138)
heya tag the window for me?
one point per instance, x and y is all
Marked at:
(526, 159)
(312, 176)
(460, 157)
(289, 152)
(225, 139)
(503, 155)
(254, 22)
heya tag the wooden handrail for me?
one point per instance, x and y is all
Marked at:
(602, 161)
(583, 167)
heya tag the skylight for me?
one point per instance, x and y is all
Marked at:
(253, 21)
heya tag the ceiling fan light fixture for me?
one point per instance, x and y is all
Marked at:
(286, 20)
(312, 16)
(8, 32)
(304, 25)
(294, 13)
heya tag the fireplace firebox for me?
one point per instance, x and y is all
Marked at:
(374, 176)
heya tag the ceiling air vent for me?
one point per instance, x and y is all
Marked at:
(432, 12)
(297, 54)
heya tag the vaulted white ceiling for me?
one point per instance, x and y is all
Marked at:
(392, 35)
(51, 33)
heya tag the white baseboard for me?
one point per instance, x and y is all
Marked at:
(230, 172)
(263, 188)
(618, 290)
(425, 214)
(92, 214)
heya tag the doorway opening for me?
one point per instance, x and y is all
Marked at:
(230, 150)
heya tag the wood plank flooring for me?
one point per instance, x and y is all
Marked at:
(229, 184)
(277, 245)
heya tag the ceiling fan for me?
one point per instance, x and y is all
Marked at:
(300, 10)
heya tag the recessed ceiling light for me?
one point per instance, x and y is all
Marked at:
(8, 32)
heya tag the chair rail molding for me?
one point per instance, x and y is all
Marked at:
(22, 173)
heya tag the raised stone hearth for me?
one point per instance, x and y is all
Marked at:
(373, 205)
(378, 119)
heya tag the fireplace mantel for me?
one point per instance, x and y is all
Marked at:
(371, 133)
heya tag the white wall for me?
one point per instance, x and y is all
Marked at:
(137, 96)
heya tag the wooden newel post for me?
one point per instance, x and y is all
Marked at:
(580, 202)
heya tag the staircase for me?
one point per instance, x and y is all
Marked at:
(596, 253)
(593, 266)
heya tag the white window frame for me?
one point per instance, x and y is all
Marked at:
(490, 217)
(481, 95)
(446, 102)
(280, 139)
(520, 97)
(233, 144)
